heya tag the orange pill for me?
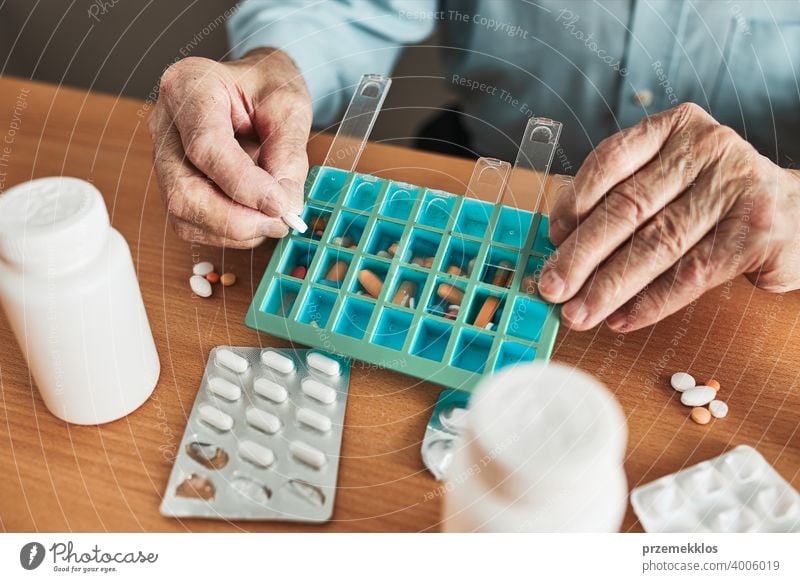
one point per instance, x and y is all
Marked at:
(318, 222)
(213, 277)
(455, 270)
(371, 282)
(529, 285)
(451, 294)
(701, 415)
(337, 271)
(503, 274)
(714, 384)
(405, 291)
(487, 311)
(428, 263)
(227, 279)
(392, 249)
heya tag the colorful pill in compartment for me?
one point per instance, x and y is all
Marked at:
(407, 286)
(354, 317)
(370, 278)
(460, 256)
(529, 283)
(399, 201)
(298, 257)
(527, 318)
(473, 218)
(447, 298)
(436, 209)
(392, 329)
(281, 297)
(384, 240)
(472, 350)
(333, 267)
(363, 192)
(422, 247)
(327, 185)
(348, 230)
(431, 339)
(486, 309)
(513, 226)
(500, 267)
(317, 218)
(317, 307)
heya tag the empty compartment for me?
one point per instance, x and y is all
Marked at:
(460, 256)
(384, 239)
(499, 267)
(512, 353)
(370, 278)
(406, 288)
(333, 268)
(399, 201)
(348, 230)
(392, 329)
(422, 247)
(328, 185)
(354, 317)
(317, 218)
(472, 350)
(436, 209)
(529, 284)
(541, 242)
(527, 319)
(431, 339)
(473, 218)
(446, 299)
(485, 309)
(297, 258)
(512, 226)
(281, 297)
(363, 192)
(317, 307)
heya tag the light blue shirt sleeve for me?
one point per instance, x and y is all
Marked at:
(332, 43)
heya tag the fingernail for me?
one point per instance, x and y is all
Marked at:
(551, 284)
(576, 313)
(294, 191)
(617, 321)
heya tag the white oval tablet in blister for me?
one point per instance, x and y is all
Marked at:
(233, 362)
(224, 388)
(277, 361)
(263, 420)
(324, 364)
(256, 454)
(313, 419)
(307, 454)
(270, 390)
(215, 417)
(318, 391)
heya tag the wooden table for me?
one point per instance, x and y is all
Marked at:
(111, 478)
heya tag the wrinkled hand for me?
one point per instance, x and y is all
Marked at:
(219, 184)
(662, 212)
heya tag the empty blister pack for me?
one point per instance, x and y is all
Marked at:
(738, 491)
(263, 438)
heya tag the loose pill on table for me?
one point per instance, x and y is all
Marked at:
(307, 454)
(227, 279)
(224, 388)
(318, 391)
(313, 419)
(233, 362)
(270, 390)
(202, 268)
(713, 384)
(213, 277)
(405, 291)
(682, 381)
(324, 364)
(450, 293)
(371, 282)
(200, 286)
(718, 409)
(256, 453)
(701, 415)
(698, 396)
(263, 420)
(337, 271)
(299, 271)
(295, 222)
(487, 310)
(215, 417)
(277, 362)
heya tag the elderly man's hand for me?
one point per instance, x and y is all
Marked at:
(230, 147)
(662, 212)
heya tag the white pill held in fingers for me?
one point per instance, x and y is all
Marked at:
(270, 390)
(224, 388)
(203, 268)
(681, 381)
(215, 417)
(313, 419)
(718, 409)
(698, 396)
(200, 286)
(295, 222)
(263, 420)
(256, 454)
(233, 362)
(318, 391)
(277, 361)
(307, 454)
(324, 364)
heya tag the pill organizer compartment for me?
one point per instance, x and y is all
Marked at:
(422, 244)
(472, 350)
(326, 184)
(738, 491)
(488, 305)
(460, 254)
(378, 267)
(431, 339)
(363, 193)
(350, 226)
(393, 327)
(407, 286)
(332, 270)
(354, 317)
(513, 226)
(282, 296)
(436, 209)
(399, 201)
(384, 235)
(317, 307)
(318, 219)
(473, 218)
(300, 253)
(500, 267)
(441, 300)
(512, 353)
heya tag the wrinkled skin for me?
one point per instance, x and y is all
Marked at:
(664, 211)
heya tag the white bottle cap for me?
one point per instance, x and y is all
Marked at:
(51, 225)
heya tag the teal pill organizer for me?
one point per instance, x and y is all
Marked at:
(455, 295)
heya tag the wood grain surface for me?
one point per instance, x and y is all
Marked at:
(57, 476)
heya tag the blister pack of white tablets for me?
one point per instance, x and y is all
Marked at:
(263, 438)
(738, 491)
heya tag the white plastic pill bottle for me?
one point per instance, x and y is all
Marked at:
(69, 290)
(542, 451)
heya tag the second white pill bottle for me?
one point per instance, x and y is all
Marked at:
(69, 289)
(542, 451)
